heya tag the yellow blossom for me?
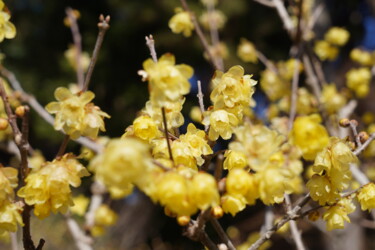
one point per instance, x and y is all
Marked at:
(233, 203)
(8, 181)
(104, 216)
(218, 51)
(337, 36)
(332, 100)
(366, 196)
(182, 155)
(222, 123)
(309, 135)
(80, 205)
(273, 85)
(246, 51)
(172, 112)
(196, 114)
(234, 159)
(321, 190)
(7, 29)
(75, 115)
(338, 213)
(71, 55)
(325, 51)
(48, 188)
(204, 191)
(362, 57)
(272, 185)
(123, 161)
(232, 88)
(173, 192)
(358, 80)
(239, 182)
(215, 18)
(10, 217)
(167, 81)
(145, 128)
(181, 23)
(195, 139)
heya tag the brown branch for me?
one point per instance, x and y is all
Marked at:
(166, 134)
(103, 26)
(77, 44)
(63, 146)
(293, 214)
(266, 62)
(364, 145)
(214, 33)
(293, 226)
(223, 236)
(200, 34)
(294, 95)
(21, 140)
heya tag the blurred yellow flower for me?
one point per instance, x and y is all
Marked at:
(181, 23)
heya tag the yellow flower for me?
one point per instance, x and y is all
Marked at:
(321, 190)
(204, 191)
(172, 112)
(181, 23)
(145, 128)
(286, 68)
(71, 55)
(358, 80)
(104, 216)
(246, 51)
(123, 161)
(195, 139)
(309, 135)
(366, 196)
(362, 57)
(75, 115)
(182, 155)
(218, 51)
(234, 159)
(7, 29)
(196, 114)
(173, 193)
(167, 81)
(272, 185)
(239, 182)
(258, 143)
(332, 100)
(337, 36)
(215, 17)
(48, 187)
(233, 203)
(325, 51)
(10, 217)
(338, 213)
(222, 124)
(8, 181)
(232, 88)
(274, 86)
(80, 205)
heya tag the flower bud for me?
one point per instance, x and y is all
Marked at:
(183, 220)
(217, 212)
(3, 123)
(20, 111)
(363, 136)
(344, 122)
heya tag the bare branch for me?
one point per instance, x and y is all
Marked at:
(267, 3)
(77, 45)
(294, 94)
(150, 42)
(103, 26)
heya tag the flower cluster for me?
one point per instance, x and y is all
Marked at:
(75, 114)
(328, 48)
(231, 96)
(9, 210)
(332, 172)
(358, 80)
(48, 188)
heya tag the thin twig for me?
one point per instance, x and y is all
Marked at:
(166, 134)
(13, 241)
(97, 190)
(364, 145)
(81, 240)
(287, 21)
(63, 146)
(150, 42)
(268, 220)
(200, 34)
(223, 236)
(293, 226)
(214, 33)
(312, 80)
(266, 62)
(200, 100)
(77, 45)
(266, 3)
(353, 125)
(103, 26)
(294, 94)
(289, 216)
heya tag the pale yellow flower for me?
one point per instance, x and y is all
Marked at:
(181, 23)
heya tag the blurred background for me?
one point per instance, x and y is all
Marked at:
(36, 56)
